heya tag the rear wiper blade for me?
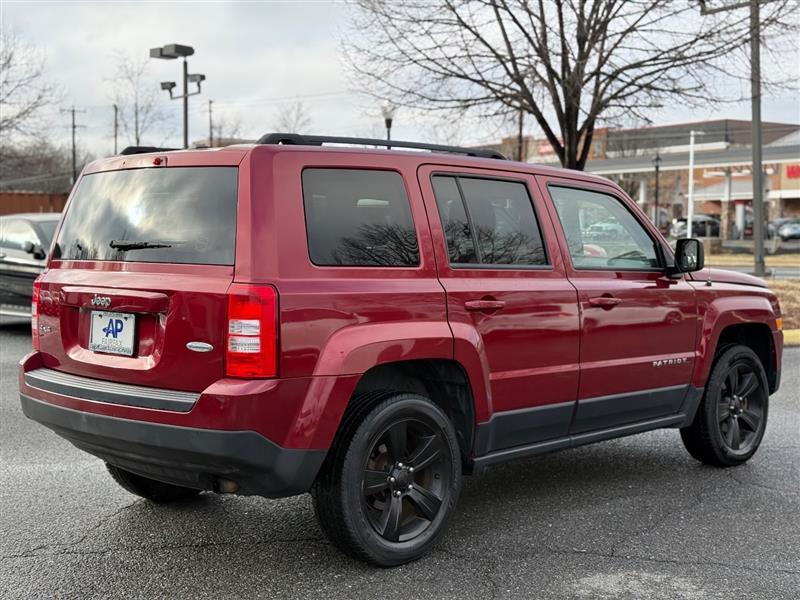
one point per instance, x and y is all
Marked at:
(136, 245)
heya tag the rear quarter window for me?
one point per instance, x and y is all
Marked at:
(358, 218)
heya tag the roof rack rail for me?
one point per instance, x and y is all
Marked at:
(295, 139)
(144, 150)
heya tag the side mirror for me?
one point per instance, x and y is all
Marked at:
(34, 249)
(689, 255)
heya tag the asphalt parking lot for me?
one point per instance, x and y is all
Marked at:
(631, 518)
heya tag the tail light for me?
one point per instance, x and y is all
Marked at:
(35, 313)
(251, 345)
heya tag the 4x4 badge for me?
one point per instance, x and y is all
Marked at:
(101, 301)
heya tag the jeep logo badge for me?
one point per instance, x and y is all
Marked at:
(101, 301)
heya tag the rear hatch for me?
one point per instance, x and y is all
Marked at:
(136, 291)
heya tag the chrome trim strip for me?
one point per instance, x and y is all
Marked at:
(106, 391)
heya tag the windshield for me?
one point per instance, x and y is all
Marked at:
(176, 215)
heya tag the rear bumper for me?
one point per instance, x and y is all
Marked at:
(186, 456)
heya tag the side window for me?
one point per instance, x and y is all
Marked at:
(15, 233)
(601, 232)
(488, 221)
(358, 218)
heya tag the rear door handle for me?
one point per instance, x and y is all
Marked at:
(484, 304)
(604, 301)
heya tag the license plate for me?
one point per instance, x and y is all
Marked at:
(112, 332)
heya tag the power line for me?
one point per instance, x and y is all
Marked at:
(278, 99)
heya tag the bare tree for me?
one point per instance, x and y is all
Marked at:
(567, 63)
(293, 118)
(227, 128)
(137, 97)
(24, 87)
(39, 165)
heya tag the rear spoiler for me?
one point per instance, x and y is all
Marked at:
(144, 150)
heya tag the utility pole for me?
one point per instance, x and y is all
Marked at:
(210, 126)
(73, 126)
(755, 125)
(757, 169)
(519, 134)
(116, 127)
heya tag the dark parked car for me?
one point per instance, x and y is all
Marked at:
(702, 226)
(370, 325)
(24, 241)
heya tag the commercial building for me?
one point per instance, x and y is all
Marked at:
(722, 177)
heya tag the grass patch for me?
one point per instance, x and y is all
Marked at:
(791, 337)
(727, 260)
(788, 292)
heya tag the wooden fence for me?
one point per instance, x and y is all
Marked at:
(24, 202)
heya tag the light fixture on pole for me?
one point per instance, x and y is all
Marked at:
(171, 52)
(388, 117)
(656, 216)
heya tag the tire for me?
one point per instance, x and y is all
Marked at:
(391, 480)
(732, 416)
(155, 491)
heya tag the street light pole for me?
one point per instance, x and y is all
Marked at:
(690, 210)
(657, 164)
(185, 104)
(388, 118)
(170, 52)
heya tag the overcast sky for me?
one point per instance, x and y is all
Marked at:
(256, 56)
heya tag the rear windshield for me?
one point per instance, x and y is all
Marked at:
(175, 215)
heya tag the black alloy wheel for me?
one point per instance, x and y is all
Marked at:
(406, 479)
(732, 417)
(740, 407)
(391, 479)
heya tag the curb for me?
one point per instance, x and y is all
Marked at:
(791, 337)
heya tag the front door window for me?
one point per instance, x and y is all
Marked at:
(601, 232)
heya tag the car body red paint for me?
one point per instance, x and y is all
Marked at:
(552, 346)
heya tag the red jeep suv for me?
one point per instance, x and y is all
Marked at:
(369, 325)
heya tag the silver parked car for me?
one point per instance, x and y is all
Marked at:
(790, 230)
(24, 241)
